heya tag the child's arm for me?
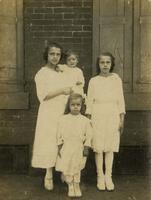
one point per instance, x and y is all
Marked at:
(62, 91)
(61, 67)
(80, 79)
(89, 101)
(121, 106)
(121, 125)
(60, 140)
(88, 138)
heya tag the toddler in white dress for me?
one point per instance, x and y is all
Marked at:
(73, 74)
(106, 108)
(74, 140)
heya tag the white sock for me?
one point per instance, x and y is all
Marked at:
(109, 156)
(49, 173)
(99, 163)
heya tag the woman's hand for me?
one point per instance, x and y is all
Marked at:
(67, 91)
(78, 83)
(59, 150)
(121, 125)
(121, 128)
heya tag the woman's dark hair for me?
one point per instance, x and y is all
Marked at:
(112, 61)
(48, 47)
(69, 53)
(75, 96)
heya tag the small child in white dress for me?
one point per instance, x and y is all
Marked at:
(73, 74)
(74, 139)
(106, 108)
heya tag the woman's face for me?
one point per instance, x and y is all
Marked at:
(54, 55)
(105, 64)
(75, 106)
(72, 61)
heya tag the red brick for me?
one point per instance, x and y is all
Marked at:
(72, 4)
(82, 22)
(53, 4)
(72, 28)
(63, 10)
(52, 34)
(52, 28)
(82, 34)
(43, 10)
(53, 16)
(52, 22)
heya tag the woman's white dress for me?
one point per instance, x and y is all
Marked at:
(105, 103)
(74, 132)
(45, 144)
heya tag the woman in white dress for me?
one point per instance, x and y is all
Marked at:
(50, 92)
(74, 139)
(106, 108)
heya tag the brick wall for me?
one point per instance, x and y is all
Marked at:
(67, 22)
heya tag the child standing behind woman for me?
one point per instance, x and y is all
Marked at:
(74, 140)
(106, 108)
(73, 75)
(50, 91)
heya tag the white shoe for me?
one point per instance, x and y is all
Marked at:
(48, 183)
(100, 183)
(77, 189)
(71, 192)
(109, 183)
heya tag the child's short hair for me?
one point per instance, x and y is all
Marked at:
(69, 53)
(48, 47)
(75, 96)
(112, 61)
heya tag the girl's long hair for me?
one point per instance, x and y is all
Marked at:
(75, 96)
(112, 61)
(48, 47)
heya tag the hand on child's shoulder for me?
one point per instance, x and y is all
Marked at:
(61, 67)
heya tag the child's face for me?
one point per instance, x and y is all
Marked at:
(72, 61)
(54, 55)
(75, 106)
(105, 64)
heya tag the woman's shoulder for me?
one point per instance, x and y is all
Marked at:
(94, 78)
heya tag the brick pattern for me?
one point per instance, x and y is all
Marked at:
(68, 22)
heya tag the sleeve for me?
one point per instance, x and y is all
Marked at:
(88, 134)
(89, 102)
(41, 89)
(121, 101)
(81, 77)
(59, 133)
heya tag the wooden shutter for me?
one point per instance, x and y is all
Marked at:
(12, 95)
(123, 27)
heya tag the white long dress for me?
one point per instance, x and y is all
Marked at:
(45, 144)
(105, 103)
(74, 132)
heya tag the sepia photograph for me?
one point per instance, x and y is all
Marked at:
(75, 99)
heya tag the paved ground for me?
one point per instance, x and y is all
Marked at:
(23, 187)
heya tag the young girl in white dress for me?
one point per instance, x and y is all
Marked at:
(73, 74)
(74, 139)
(106, 108)
(50, 92)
